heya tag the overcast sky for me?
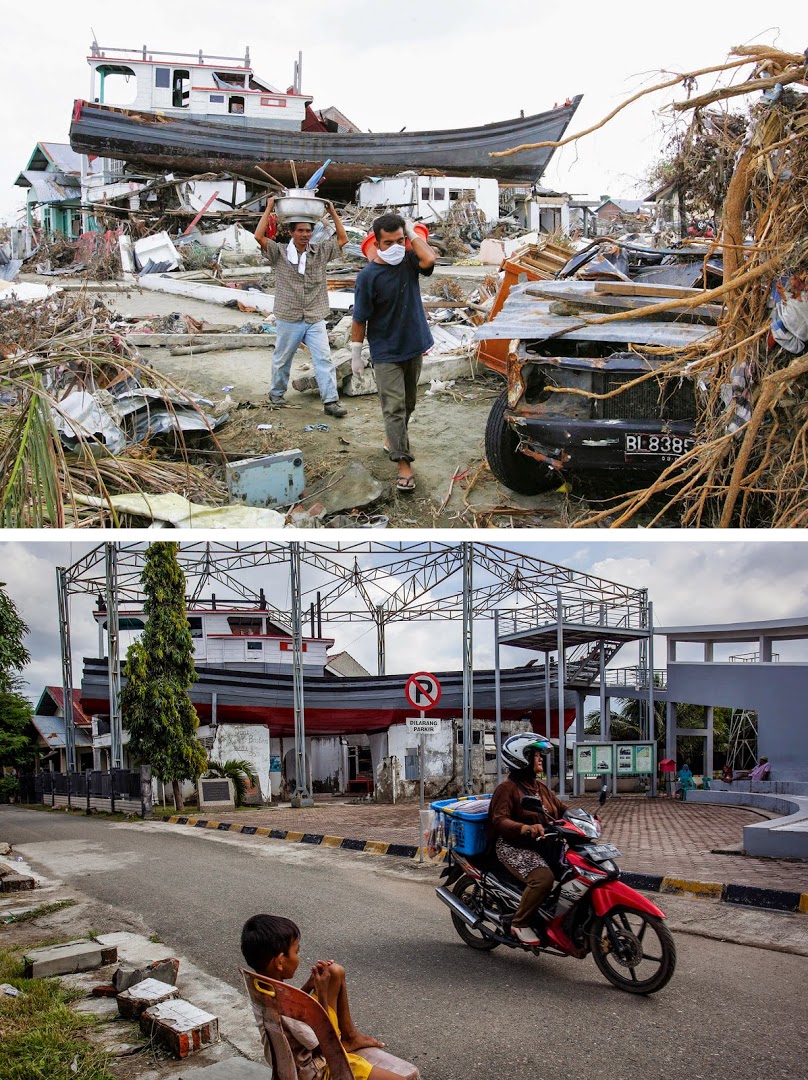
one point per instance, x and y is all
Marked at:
(690, 582)
(452, 64)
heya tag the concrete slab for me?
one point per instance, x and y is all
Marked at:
(64, 959)
(144, 995)
(129, 974)
(16, 883)
(180, 1026)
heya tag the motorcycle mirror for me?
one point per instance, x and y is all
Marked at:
(535, 805)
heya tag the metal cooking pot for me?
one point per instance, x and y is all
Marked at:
(299, 204)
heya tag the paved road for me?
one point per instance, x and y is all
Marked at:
(459, 1014)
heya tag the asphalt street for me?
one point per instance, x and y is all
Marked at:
(457, 1013)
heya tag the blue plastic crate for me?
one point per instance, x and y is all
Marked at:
(465, 829)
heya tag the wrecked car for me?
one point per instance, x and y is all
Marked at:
(546, 424)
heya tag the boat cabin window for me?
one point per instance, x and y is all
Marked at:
(217, 99)
(195, 624)
(425, 193)
(255, 646)
(459, 193)
(236, 104)
(227, 79)
(439, 194)
(162, 78)
(117, 84)
(181, 88)
(243, 625)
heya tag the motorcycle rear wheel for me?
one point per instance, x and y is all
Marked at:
(468, 891)
(631, 928)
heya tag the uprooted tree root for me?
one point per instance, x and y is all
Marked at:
(749, 466)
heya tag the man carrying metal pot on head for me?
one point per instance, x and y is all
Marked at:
(515, 834)
(301, 304)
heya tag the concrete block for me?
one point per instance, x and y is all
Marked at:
(66, 959)
(144, 995)
(4, 848)
(180, 1026)
(231, 1069)
(129, 974)
(16, 883)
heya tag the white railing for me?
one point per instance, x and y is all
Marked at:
(636, 677)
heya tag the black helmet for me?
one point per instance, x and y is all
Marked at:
(519, 750)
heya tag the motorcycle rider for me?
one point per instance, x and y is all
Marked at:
(515, 835)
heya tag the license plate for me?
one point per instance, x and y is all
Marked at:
(644, 444)
(603, 851)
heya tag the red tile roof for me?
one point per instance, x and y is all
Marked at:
(80, 718)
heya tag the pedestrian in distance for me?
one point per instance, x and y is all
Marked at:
(301, 304)
(389, 310)
(271, 946)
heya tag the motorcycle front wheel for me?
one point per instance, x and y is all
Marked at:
(469, 893)
(634, 950)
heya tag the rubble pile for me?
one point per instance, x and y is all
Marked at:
(83, 419)
(749, 464)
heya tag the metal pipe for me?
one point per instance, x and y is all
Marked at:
(319, 616)
(67, 667)
(468, 667)
(380, 653)
(548, 727)
(562, 733)
(497, 698)
(300, 796)
(113, 658)
(651, 736)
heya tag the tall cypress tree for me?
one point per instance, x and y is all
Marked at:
(159, 669)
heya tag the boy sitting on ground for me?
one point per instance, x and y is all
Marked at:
(271, 946)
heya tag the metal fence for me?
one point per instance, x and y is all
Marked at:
(128, 790)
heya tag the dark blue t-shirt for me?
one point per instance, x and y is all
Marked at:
(388, 300)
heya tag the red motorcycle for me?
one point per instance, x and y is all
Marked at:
(589, 909)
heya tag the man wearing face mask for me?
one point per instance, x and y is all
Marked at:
(388, 307)
(301, 305)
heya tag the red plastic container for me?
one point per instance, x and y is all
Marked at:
(369, 248)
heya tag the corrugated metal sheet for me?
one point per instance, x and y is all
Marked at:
(53, 187)
(63, 156)
(525, 316)
(52, 730)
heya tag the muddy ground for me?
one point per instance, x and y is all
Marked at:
(447, 431)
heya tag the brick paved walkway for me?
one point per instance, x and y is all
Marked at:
(656, 836)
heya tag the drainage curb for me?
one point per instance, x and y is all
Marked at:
(372, 847)
(740, 895)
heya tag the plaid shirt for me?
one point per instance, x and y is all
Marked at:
(301, 297)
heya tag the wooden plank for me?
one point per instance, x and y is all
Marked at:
(632, 288)
(586, 296)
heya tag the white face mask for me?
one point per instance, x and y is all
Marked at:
(393, 255)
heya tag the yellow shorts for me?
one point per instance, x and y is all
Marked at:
(360, 1068)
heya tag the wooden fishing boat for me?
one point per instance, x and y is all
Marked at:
(237, 143)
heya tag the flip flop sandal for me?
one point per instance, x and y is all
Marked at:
(405, 483)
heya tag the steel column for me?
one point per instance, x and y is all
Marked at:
(651, 734)
(67, 667)
(497, 698)
(113, 658)
(381, 659)
(562, 734)
(548, 726)
(301, 795)
(468, 667)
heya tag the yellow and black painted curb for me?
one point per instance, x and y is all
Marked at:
(372, 847)
(741, 895)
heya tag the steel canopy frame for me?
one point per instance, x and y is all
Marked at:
(395, 581)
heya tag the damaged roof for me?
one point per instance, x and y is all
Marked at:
(52, 730)
(50, 187)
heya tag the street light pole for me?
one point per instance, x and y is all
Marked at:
(468, 667)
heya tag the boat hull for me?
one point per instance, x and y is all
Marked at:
(201, 145)
(346, 706)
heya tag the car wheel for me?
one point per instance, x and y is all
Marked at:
(514, 470)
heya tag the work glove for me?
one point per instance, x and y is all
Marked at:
(358, 362)
(409, 229)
